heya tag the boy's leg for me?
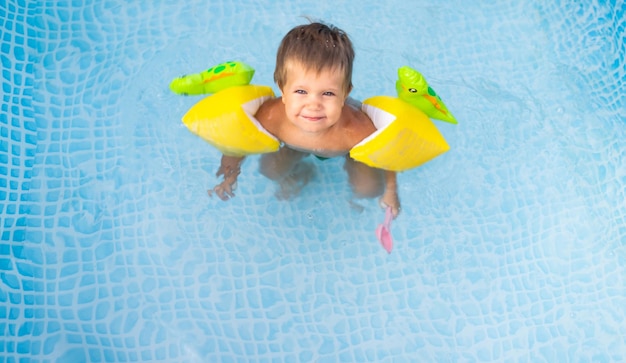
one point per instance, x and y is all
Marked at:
(279, 164)
(285, 166)
(366, 182)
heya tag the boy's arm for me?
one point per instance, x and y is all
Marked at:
(230, 167)
(390, 196)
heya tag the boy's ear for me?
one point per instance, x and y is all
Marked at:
(281, 94)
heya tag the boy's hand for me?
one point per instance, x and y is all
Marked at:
(230, 169)
(390, 199)
(390, 196)
(224, 190)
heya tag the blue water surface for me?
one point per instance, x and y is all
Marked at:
(510, 247)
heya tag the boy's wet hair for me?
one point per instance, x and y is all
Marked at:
(317, 46)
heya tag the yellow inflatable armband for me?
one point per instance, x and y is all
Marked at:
(226, 121)
(405, 137)
(214, 79)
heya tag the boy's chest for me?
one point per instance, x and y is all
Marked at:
(335, 141)
(329, 145)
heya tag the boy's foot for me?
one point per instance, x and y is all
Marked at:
(356, 206)
(292, 184)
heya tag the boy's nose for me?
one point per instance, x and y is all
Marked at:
(314, 102)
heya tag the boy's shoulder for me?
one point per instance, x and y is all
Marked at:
(269, 104)
(271, 113)
(355, 117)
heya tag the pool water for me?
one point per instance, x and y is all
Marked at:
(510, 247)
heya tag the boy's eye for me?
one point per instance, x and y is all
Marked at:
(300, 91)
(329, 93)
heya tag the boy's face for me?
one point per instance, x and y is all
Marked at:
(313, 102)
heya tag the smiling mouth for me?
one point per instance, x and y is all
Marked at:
(311, 118)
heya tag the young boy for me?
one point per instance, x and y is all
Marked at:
(314, 74)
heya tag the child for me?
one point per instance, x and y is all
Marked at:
(314, 74)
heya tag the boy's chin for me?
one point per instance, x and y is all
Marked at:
(313, 126)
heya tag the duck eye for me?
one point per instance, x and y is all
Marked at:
(412, 90)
